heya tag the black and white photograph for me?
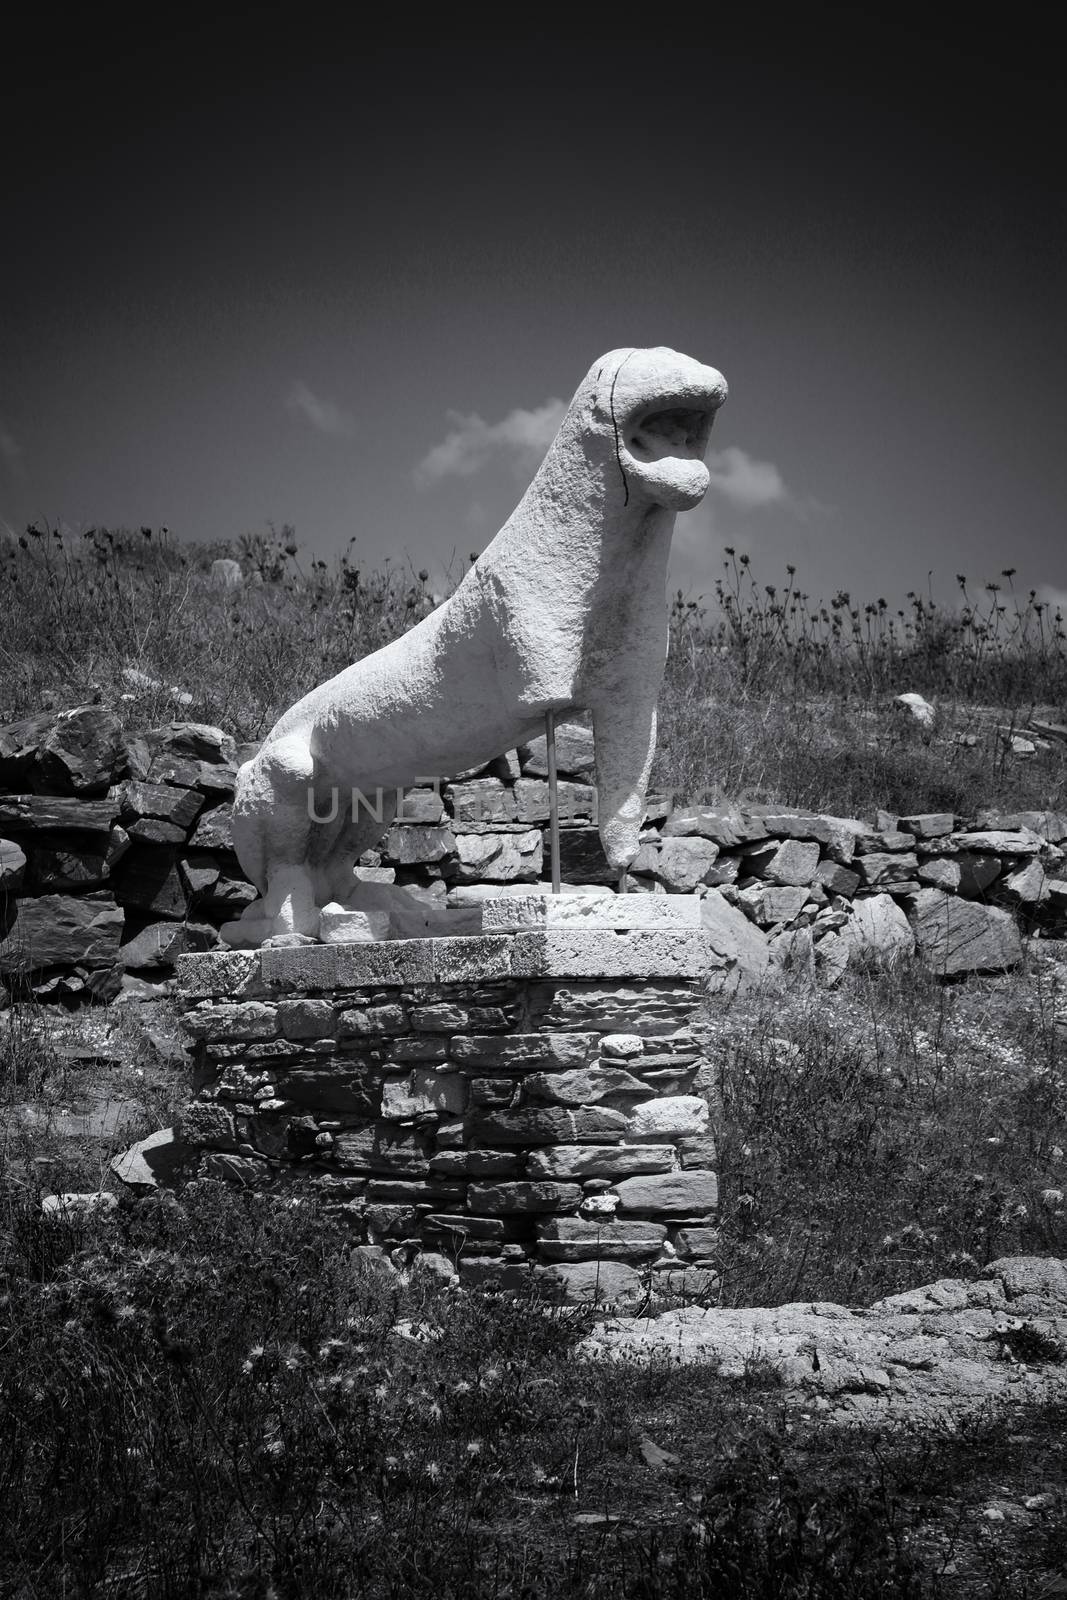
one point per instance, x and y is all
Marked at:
(533, 806)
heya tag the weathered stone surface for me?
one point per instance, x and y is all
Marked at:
(793, 863)
(483, 1164)
(306, 1019)
(62, 930)
(621, 912)
(584, 1086)
(221, 972)
(656, 1008)
(622, 1046)
(573, 1239)
(770, 905)
(160, 800)
(161, 943)
(688, 1193)
(12, 867)
(929, 824)
(214, 831)
(252, 1019)
(82, 752)
(577, 801)
(479, 801)
(609, 1283)
(423, 1091)
(381, 1150)
(696, 1243)
(933, 1355)
(883, 841)
(421, 804)
(998, 842)
(837, 879)
(668, 1117)
(882, 868)
(199, 873)
(582, 858)
(412, 844)
(339, 1085)
(1028, 885)
(45, 813)
(837, 834)
(549, 1125)
(977, 873)
(575, 753)
(955, 935)
(941, 872)
(608, 1161)
(741, 945)
(198, 741)
(210, 777)
(523, 1051)
(207, 1123)
(504, 1199)
(152, 1163)
(878, 929)
(683, 862)
(1050, 825)
(725, 826)
(498, 857)
(147, 878)
(642, 953)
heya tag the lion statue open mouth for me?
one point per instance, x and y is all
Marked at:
(564, 611)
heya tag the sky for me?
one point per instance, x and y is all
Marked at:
(261, 270)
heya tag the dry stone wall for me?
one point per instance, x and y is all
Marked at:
(116, 857)
(519, 1104)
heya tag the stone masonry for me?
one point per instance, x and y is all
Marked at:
(523, 1103)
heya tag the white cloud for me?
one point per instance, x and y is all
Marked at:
(322, 414)
(522, 438)
(10, 452)
(744, 481)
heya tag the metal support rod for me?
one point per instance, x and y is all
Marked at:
(553, 797)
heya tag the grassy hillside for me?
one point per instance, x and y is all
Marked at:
(767, 693)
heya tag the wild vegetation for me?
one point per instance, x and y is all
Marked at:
(216, 1395)
(767, 693)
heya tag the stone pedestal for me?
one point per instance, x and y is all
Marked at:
(518, 1102)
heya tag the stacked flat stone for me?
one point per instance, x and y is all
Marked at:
(534, 1102)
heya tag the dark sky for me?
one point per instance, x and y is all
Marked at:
(260, 268)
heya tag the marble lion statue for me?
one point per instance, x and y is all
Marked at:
(564, 611)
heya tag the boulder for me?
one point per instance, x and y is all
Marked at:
(725, 826)
(214, 830)
(226, 573)
(497, 857)
(575, 1239)
(198, 741)
(59, 930)
(147, 878)
(878, 929)
(66, 864)
(609, 1283)
(575, 753)
(68, 752)
(794, 863)
(914, 706)
(12, 867)
(682, 863)
(158, 1161)
(161, 943)
(160, 800)
(1028, 885)
(44, 813)
(955, 935)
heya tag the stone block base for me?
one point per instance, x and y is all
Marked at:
(521, 1103)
